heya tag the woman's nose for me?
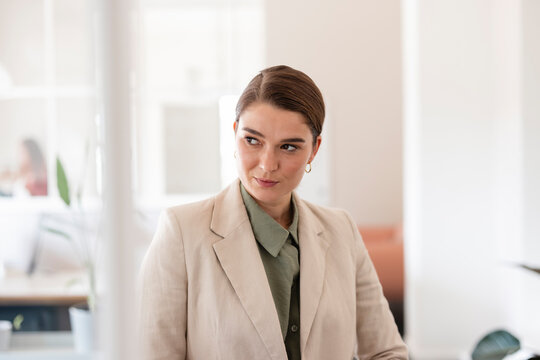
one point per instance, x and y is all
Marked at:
(268, 161)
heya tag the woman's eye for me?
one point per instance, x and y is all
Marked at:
(289, 147)
(251, 141)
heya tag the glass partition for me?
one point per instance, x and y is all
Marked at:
(189, 57)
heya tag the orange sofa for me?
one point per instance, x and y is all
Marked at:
(385, 247)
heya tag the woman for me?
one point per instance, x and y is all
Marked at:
(256, 272)
(30, 179)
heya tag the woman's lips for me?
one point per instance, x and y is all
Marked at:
(266, 182)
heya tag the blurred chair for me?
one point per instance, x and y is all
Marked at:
(385, 247)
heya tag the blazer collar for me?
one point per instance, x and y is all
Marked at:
(313, 246)
(239, 257)
(229, 211)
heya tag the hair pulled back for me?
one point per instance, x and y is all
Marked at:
(288, 89)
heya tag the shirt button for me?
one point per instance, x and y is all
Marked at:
(294, 328)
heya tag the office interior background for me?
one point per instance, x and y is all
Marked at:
(433, 127)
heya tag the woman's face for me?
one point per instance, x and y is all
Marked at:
(274, 146)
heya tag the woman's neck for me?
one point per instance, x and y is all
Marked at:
(279, 212)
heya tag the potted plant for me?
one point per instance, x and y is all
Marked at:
(81, 315)
(6, 328)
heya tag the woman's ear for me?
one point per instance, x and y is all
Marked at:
(235, 124)
(315, 148)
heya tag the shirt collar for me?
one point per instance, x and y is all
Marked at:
(268, 232)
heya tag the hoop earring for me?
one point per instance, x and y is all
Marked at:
(308, 168)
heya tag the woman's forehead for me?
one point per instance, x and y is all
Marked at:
(264, 117)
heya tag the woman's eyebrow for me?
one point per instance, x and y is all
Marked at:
(293, 140)
(289, 140)
(254, 132)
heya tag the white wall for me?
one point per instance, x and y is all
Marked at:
(352, 51)
(529, 315)
(471, 209)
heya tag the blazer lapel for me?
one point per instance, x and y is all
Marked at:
(239, 257)
(313, 247)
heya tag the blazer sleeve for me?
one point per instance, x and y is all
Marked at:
(163, 294)
(376, 331)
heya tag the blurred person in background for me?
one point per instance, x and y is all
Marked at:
(30, 179)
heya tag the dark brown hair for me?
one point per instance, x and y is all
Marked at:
(37, 160)
(288, 89)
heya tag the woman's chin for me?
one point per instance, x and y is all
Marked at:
(267, 195)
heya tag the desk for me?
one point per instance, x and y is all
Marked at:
(43, 299)
(42, 289)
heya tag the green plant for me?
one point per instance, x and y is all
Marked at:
(81, 242)
(17, 321)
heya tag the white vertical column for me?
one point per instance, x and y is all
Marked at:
(463, 178)
(51, 99)
(528, 308)
(508, 153)
(412, 183)
(116, 321)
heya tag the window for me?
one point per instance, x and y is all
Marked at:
(192, 54)
(46, 91)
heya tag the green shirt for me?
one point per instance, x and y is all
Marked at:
(278, 248)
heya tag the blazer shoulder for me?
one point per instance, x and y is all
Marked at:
(193, 209)
(331, 218)
(326, 213)
(187, 213)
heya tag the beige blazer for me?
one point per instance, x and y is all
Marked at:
(204, 292)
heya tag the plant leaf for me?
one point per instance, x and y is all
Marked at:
(62, 182)
(17, 321)
(57, 232)
(495, 346)
(536, 270)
